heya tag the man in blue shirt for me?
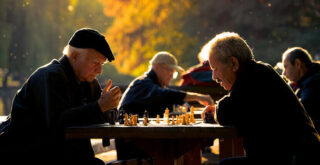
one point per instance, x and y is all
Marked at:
(149, 92)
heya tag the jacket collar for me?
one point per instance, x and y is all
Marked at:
(314, 69)
(68, 68)
(153, 76)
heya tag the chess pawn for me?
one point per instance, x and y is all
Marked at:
(146, 115)
(184, 120)
(178, 120)
(126, 120)
(192, 118)
(173, 123)
(208, 118)
(121, 117)
(158, 119)
(145, 121)
(192, 110)
(135, 120)
(187, 118)
(130, 119)
(166, 116)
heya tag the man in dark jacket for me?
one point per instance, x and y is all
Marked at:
(301, 70)
(272, 121)
(57, 95)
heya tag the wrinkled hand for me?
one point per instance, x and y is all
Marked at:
(109, 99)
(206, 100)
(208, 109)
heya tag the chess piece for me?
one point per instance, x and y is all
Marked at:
(208, 118)
(126, 120)
(146, 115)
(145, 121)
(134, 120)
(184, 120)
(121, 117)
(178, 120)
(172, 122)
(187, 118)
(192, 120)
(166, 116)
(131, 122)
(192, 109)
(158, 119)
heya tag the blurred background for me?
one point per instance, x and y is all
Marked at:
(33, 32)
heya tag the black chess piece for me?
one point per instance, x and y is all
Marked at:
(110, 116)
(146, 115)
(121, 117)
(208, 118)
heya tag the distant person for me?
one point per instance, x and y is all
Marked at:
(272, 121)
(302, 71)
(200, 75)
(149, 92)
(57, 95)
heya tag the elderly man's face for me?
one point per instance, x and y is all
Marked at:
(223, 73)
(88, 65)
(290, 71)
(165, 74)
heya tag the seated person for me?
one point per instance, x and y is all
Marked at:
(275, 127)
(304, 73)
(200, 74)
(149, 92)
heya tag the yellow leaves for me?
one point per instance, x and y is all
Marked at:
(141, 28)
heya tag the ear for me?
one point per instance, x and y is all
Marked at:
(74, 55)
(234, 63)
(297, 63)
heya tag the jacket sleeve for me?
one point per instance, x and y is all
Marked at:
(154, 94)
(53, 96)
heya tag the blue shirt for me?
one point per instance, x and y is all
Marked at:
(145, 93)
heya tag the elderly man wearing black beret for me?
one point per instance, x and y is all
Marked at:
(57, 95)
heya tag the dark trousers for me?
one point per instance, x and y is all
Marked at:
(126, 150)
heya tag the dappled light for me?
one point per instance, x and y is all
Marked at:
(33, 32)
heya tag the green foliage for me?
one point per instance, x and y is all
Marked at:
(33, 32)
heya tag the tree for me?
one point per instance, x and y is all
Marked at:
(141, 28)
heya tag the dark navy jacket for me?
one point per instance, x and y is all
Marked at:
(48, 102)
(309, 93)
(269, 116)
(144, 93)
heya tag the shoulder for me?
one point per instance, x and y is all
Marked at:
(53, 70)
(312, 77)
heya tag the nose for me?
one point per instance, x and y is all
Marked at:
(213, 76)
(99, 69)
(284, 72)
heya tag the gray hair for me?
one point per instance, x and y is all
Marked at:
(228, 44)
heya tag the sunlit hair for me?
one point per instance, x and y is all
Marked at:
(67, 50)
(298, 53)
(228, 44)
(204, 53)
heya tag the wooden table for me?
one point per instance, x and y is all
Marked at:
(165, 143)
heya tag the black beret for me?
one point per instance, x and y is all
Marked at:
(89, 38)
